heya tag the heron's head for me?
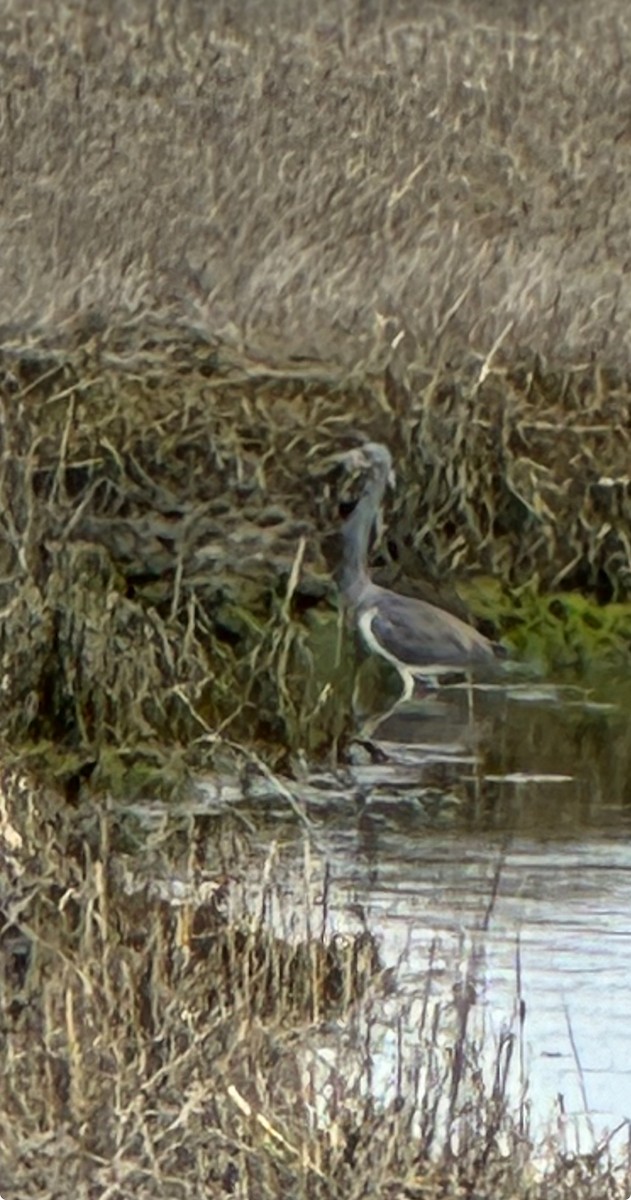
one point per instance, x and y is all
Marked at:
(370, 462)
(376, 457)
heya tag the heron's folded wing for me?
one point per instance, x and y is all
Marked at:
(419, 634)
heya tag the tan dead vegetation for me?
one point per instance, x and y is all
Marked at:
(233, 239)
(327, 179)
(428, 197)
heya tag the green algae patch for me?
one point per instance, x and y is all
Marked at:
(555, 631)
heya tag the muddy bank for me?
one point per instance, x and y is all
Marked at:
(169, 530)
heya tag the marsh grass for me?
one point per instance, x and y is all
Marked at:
(230, 247)
(341, 182)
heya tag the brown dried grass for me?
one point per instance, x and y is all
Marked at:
(227, 249)
(321, 181)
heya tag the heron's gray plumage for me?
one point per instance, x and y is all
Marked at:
(419, 634)
(415, 636)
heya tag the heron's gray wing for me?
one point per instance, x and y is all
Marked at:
(418, 634)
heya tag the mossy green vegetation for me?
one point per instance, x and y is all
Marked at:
(554, 632)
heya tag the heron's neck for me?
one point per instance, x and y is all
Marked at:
(353, 570)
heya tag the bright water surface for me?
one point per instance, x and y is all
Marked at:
(495, 822)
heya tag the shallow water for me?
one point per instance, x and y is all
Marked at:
(558, 938)
(486, 831)
(495, 823)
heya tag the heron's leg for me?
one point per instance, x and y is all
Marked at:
(470, 697)
(408, 679)
(373, 723)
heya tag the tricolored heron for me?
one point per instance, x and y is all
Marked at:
(418, 638)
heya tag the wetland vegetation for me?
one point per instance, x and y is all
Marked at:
(232, 248)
